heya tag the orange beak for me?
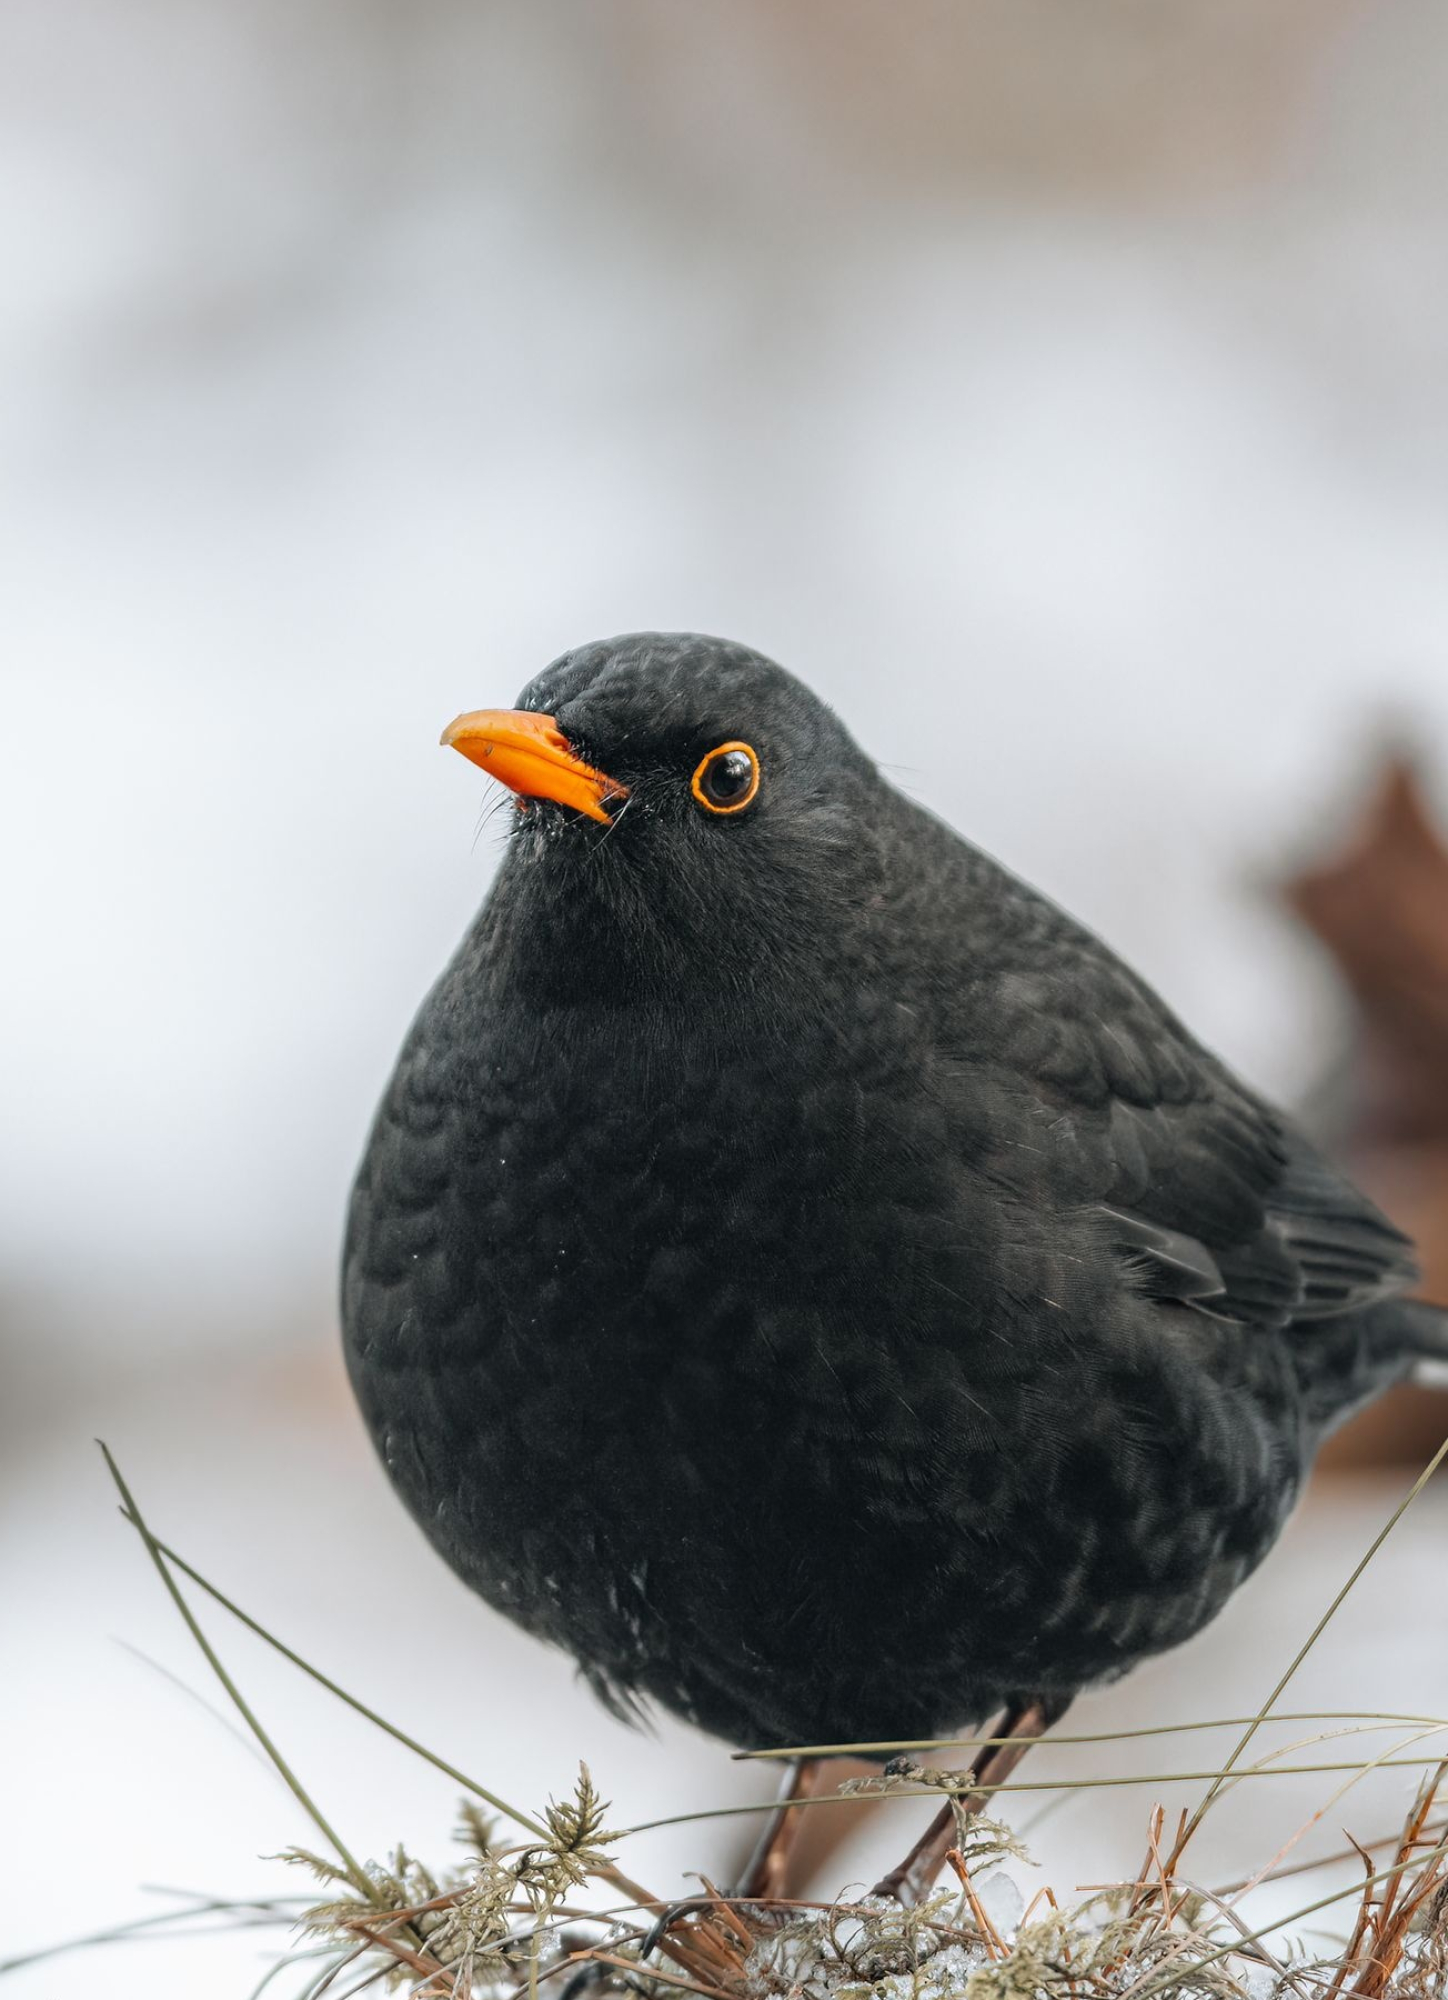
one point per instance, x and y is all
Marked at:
(531, 756)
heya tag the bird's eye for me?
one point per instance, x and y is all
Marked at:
(727, 778)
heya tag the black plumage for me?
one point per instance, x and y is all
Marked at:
(803, 1273)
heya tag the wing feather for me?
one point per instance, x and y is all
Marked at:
(1215, 1199)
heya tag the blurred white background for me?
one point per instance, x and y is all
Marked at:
(1060, 390)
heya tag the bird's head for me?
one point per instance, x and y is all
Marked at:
(685, 792)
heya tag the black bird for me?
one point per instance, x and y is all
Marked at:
(804, 1274)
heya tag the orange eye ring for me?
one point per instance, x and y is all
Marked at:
(723, 761)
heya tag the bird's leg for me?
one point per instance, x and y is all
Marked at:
(767, 1874)
(911, 1881)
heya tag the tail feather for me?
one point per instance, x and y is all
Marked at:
(1344, 1364)
(1424, 1329)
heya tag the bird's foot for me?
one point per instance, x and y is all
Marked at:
(912, 1879)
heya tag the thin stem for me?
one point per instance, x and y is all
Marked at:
(1312, 1638)
(458, 1777)
(605, 1872)
(1165, 1983)
(260, 1916)
(355, 1873)
(1035, 1785)
(1376, 1718)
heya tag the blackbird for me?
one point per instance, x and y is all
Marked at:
(800, 1271)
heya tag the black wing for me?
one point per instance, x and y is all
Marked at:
(1216, 1198)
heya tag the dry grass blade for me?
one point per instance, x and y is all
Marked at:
(242, 1914)
(500, 1923)
(254, 1625)
(607, 1871)
(356, 1873)
(1265, 1769)
(1153, 1989)
(1383, 1925)
(1373, 1764)
(1370, 1718)
(1312, 1638)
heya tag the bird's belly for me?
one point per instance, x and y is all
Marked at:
(798, 1435)
(797, 1513)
